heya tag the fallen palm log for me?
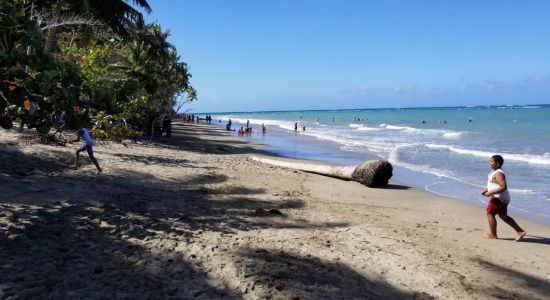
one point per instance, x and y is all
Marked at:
(371, 173)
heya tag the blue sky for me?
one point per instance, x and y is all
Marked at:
(248, 55)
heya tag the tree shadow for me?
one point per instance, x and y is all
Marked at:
(153, 160)
(67, 235)
(18, 164)
(282, 275)
(516, 282)
(192, 202)
(63, 251)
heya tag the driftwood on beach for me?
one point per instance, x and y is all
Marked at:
(371, 173)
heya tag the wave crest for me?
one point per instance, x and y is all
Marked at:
(526, 158)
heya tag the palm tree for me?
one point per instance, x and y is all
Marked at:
(155, 64)
(117, 15)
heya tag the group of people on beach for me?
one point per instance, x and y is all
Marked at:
(248, 129)
(192, 118)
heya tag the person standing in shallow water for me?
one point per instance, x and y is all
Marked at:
(499, 198)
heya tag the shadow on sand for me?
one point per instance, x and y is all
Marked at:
(532, 239)
(539, 288)
(396, 187)
(309, 277)
(87, 236)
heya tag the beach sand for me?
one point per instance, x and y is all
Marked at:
(193, 216)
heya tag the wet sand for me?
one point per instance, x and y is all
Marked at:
(193, 217)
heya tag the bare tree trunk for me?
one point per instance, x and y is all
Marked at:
(332, 171)
(180, 104)
(372, 173)
(50, 37)
(73, 36)
(153, 129)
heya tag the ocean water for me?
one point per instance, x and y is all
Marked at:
(442, 150)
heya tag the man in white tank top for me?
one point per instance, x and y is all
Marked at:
(499, 198)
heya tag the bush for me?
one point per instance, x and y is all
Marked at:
(113, 127)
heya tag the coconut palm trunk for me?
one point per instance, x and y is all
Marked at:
(372, 173)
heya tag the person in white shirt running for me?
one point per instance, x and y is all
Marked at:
(499, 198)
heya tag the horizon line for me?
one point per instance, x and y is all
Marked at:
(380, 108)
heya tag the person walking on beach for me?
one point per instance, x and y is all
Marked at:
(499, 198)
(88, 146)
(295, 126)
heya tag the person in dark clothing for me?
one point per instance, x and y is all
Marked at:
(167, 125)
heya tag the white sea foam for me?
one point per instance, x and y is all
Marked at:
(448, 134)
(522, 191)
(453, 135)
(395, 159)
(529, 107)
(355, 125)
(368, 129)
(428, 188)
(526, 158)
(404, 128)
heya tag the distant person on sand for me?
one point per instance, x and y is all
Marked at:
(264, 130)
(499, 198)
(295, 126)
(88, 146)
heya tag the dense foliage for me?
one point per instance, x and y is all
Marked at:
(89, 59)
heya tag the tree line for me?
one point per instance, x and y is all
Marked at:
(87, 59)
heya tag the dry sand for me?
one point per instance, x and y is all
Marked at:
(193, 217)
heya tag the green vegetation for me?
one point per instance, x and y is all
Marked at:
(91, 59)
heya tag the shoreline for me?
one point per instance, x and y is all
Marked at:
(193, 217)
(395, 183)
(416, 179)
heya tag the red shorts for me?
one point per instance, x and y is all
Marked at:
(495, 206)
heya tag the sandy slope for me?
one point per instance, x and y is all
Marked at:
(193, 217)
